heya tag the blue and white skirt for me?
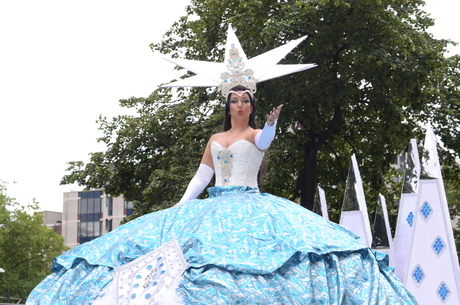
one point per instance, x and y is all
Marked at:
(239, 246)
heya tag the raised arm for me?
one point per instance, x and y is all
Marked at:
(202, 177)
(264, 137)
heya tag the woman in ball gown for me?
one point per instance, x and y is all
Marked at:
(238, 246)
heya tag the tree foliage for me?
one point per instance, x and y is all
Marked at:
(27, 246)
(380, 77)
(150, 157)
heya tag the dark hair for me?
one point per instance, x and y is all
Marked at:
(252, 116)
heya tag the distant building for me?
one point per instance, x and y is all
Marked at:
(53, 220)
(88, 215)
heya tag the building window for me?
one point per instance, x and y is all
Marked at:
(89, 214)
(129, 207)
(109, 205)
(108, 225)
(88, 231)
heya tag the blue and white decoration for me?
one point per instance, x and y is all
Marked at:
(438, 245)
(426, 258)
(410, 219)
(418, 275)
(425, 211)
(151, 279)
(431, 270)
(443, 292)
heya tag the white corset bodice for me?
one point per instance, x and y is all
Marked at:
(237, 164)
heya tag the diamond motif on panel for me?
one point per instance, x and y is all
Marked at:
(438, 245)
(418, 274)
(443, 291)
(426, 210)
(410, 219)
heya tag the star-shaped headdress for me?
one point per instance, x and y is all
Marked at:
(237, 69)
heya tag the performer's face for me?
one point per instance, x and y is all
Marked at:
(240, 104)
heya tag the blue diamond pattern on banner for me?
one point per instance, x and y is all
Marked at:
(443, 291)
(438, 245)
(410, 219)
(418, 274)
(426, 210)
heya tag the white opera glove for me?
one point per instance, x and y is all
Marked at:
(198, 183)
(266, 136)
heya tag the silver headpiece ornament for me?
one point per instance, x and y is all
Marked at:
(232, 71)
(238, 75)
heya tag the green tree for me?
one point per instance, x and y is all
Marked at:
(380, 76)
(150, 157)
(27, 246)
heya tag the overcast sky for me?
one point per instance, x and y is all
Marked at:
(64, 63)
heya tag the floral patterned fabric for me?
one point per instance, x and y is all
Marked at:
(242, 247)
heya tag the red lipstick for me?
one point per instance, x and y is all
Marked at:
(240, 111)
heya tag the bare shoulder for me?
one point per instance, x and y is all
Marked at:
(217, 136)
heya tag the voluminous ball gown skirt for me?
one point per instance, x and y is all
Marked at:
(241, 247)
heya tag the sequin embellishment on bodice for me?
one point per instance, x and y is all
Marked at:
(225, 157)
(237, 164)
